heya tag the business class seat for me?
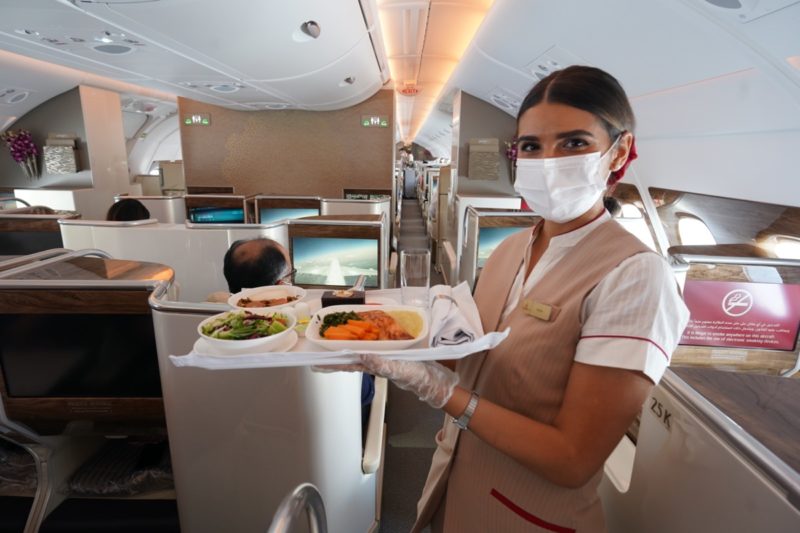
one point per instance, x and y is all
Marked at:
(77, 366)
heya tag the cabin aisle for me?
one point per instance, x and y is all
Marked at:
(411, 423)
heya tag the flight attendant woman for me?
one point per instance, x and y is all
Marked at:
(594, 317)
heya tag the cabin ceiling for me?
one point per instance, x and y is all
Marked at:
(251, 55)
(239, 54)
(655, 48)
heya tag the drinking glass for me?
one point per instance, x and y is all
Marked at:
(415, 271)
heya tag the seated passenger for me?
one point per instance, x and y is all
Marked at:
(252, 263)
(41, 210)
(261, 262)
(256, 263)
(127, 210)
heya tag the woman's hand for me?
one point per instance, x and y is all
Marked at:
(430, 381)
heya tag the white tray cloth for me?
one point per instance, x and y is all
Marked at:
(303, 354)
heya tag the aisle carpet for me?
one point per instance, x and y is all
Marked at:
(411, 423)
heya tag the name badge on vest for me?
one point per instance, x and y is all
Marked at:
(538, 310)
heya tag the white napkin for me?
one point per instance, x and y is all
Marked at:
(454, 315)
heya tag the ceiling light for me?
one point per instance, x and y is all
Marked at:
(17, 98)
(220, 87)
(404, 26)
(727, 4)
(113, 49)
(225, 87)
(311, 28)
(275, 105)
(13, 96)
(794, 61)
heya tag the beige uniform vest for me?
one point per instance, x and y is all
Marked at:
(472, 486)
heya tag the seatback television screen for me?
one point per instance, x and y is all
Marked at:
(490, 237)
(216, 215)
(54, 355)
(335, 262)
(267, 215)
(367, 194)
(28, 242)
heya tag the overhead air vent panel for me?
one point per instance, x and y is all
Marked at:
(748, 10)
(553, 59)
(505, 100)
(224, 87)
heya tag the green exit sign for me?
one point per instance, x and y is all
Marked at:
(197, 119)
(374, 121)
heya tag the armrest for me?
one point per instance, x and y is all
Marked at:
(373, 449)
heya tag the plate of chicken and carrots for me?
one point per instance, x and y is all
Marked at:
(368, 327)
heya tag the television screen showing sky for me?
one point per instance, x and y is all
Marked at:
(334, 262)
(274, 214)
(216, 215)
(489, 238)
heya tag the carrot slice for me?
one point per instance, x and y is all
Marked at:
(359, 323)
(355, 330)
(339, 336)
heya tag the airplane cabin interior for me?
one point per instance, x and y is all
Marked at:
(355, 135)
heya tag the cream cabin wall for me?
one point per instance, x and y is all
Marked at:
(289, 152)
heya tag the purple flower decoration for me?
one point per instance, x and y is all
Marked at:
(511, 149)
(20, 144)
(22, 149)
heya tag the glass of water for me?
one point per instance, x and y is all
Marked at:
(415, 272)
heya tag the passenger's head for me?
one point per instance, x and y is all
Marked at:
(40, 210)
(588, 103)
(126, 210)
(256, 263)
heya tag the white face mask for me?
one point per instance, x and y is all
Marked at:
(561, 189)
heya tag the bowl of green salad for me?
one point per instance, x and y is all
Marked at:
(235, 331)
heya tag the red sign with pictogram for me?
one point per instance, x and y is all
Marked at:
(742, 315)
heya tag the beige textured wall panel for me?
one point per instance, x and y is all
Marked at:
(105, 137)
(289, 152)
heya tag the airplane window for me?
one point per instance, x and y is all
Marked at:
(693, 231)
(786, 247)
(729, 220)
(640, 229)
(632, 215)
(630, 211)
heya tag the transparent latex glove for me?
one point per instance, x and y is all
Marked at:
(431, 382)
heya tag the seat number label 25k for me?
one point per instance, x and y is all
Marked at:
(661, 412)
